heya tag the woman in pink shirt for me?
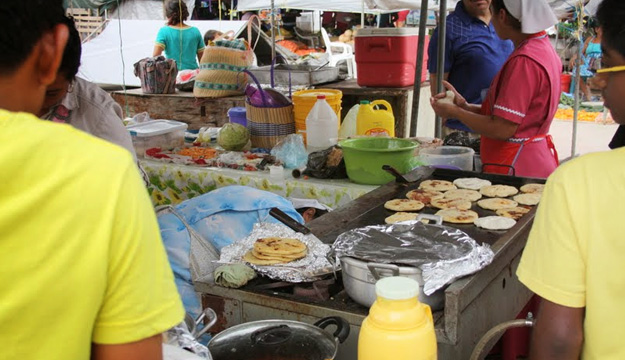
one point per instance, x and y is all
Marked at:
(515, 117)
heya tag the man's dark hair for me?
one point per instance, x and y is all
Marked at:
(73, 49)
(176, 12)
(22, 24)
(610, 15)
(514, 22)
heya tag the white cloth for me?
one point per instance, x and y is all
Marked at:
(534, 15)
(94, 111)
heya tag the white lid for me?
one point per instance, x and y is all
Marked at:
(156, 127)
(403, 31)
(397, 288)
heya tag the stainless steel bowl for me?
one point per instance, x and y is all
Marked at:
(359, 279)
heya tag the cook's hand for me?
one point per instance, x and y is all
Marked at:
(443, 109)
(459, 99)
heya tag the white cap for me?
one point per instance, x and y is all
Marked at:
(397, 288)
(534, 15)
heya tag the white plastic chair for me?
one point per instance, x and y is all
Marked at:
(338, 51)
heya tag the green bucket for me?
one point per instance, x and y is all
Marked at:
(364, 158)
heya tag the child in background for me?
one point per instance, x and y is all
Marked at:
(211, 35)
(180, 42)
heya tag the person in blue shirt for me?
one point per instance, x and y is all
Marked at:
(473, 55)
(181, 42)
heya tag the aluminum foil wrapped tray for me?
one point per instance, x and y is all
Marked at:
(306, 269)
(441, 252)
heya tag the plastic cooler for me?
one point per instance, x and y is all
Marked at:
(387, 57)
(164, 134)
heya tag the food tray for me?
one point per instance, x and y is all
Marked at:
(301, 75)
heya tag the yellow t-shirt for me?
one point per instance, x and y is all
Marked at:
(574, 255)
(81, 259)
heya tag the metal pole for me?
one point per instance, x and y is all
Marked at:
(273, 31)
(578, 78)
(440, 68)
(423, 18)
(362, 15)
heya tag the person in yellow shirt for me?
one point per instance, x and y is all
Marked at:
(83, 272)
(574, 255)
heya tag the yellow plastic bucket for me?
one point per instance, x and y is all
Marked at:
(304, 100)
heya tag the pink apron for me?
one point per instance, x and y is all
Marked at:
(528, 157)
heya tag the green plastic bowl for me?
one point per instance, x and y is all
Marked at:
(364, 158)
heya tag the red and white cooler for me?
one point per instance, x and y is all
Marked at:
(387, 57)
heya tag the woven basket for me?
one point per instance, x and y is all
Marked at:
(220, 69)
(268, 126)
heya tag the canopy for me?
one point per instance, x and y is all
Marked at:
(353, 6)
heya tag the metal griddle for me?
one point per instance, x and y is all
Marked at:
(369, 209)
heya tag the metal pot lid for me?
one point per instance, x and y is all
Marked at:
(273, 339)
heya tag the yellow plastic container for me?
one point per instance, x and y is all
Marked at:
(398, 326)
(304, 100)
(373, 120)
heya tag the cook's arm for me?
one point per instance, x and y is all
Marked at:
(493, 127)
(558, 333)
(146, 349)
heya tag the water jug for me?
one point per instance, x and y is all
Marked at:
(322, 126)
(348, 125)
(374, 120)
(398, 326)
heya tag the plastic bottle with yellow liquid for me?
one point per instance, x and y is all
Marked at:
(398, 326)
(373, 120)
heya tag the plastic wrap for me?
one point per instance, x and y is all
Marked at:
(442, 253)
(309, 268)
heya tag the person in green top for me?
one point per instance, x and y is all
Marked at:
(181, 42)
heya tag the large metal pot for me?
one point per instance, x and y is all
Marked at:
(279, 340)
(359, 278)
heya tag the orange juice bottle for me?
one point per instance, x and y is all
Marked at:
(398, 326)
(374, 120)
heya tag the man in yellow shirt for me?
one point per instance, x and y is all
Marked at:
(83, 273)
(574, 255)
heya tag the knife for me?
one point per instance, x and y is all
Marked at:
(288, 221)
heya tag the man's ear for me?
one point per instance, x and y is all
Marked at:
(50, 53)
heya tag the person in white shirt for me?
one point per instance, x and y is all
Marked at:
(82, 104)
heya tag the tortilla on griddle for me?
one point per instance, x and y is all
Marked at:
(457, 216)
(437, 185)
(528, 199)
(424, 196)
(499, 191)
(495, 223)
(497, 204)
(464, 194)
(471, 183)
(532, 188)
(404, 205)
(461, 204)
(513, 213)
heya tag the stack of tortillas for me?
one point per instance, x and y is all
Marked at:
(275, 250)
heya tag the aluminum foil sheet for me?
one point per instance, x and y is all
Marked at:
(181, 337)
(442, 253)
(309, 268)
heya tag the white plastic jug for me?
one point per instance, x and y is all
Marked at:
(348, 126)
(322, 126)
